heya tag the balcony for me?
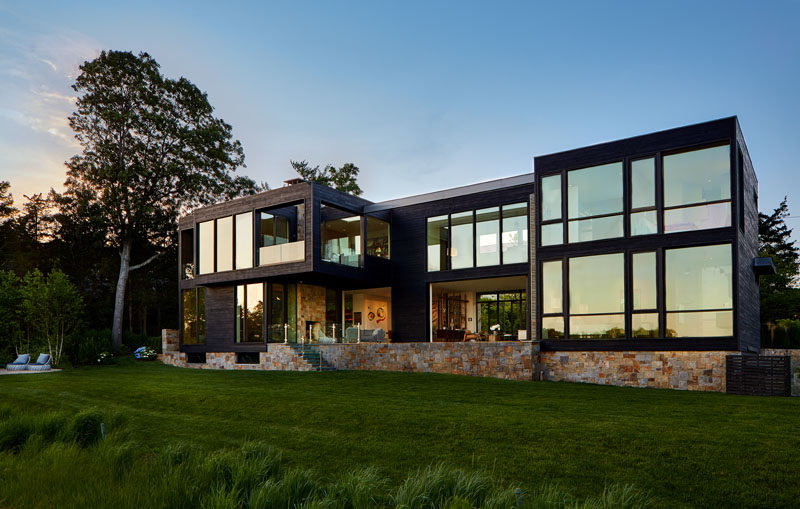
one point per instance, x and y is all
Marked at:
(282, 253)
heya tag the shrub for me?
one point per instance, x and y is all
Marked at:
(779, 337)
(145, 353)
(86, 427)
(105, 359)
(85, 347)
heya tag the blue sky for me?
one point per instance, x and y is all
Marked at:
(420, 95)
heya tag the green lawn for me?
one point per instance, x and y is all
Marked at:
(684, 448)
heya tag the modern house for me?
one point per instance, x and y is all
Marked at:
(639, 246)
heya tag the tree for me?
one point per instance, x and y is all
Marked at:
(152, 148)
(779, 297)
(51, 308)
(10, 297)
(7, 209)
(344, 179)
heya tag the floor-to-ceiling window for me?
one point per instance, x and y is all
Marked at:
(340, 232)
(249, 307)
(194, 316)
(501, 315)
(378, 238)
(697, 189)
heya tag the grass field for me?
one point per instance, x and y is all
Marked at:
(682, 449)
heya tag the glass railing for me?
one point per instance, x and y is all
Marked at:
(282, 253)
(321, 334)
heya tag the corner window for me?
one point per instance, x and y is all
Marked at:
(697, 190)
(594, 203)
(341, 236)
(281, 234)
(194, 316)
(699, 291)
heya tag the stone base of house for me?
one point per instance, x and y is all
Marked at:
(699, 371)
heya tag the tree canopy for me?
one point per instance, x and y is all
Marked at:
(779, 296)
(152, 148)
(344, 179)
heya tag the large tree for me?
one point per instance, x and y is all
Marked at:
(344, 179)
(152, 148)
(779, 296)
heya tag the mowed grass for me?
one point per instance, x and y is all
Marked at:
(682, 448)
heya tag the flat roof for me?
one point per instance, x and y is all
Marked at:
(480, 187)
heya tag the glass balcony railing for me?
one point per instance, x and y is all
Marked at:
(282, 253)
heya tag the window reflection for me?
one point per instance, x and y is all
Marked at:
(205, 247)
(597, 326)
(551, 287)
(224, 243)
(553, 327)
(701, 217)
(461, 254)
(643, 183)
(552, 234)
(698, 176)
(595, 229)
(700, 324)
(597, 284)
(438, 239)
(515, 233)
(244, 240)
(551, 198)
(487, 229)
(594, 191)
(644, 223)
(249, 309)
(194, 316)
(644, 280)
(644, 325)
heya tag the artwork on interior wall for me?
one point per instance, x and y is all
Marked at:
(381, 314)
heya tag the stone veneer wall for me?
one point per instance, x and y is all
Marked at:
(702, 371)
(509, 360)
(310, 306)
(794, 355)
(698, 371)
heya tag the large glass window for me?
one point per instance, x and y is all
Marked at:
(593, 192)
(515, 233)
(341, 236)
(281, 234)
(506, 311)
(205, 247)
(438, 240)
(244, 240)
(194, 316)
(597, 296)
(249, 313)
(461, 247)
(224, 243)
(699, 180)
(378, 232)
(643, 197)
(552, 292)
(487, 229)
(552, 234)
(551, 198)
(699, 291)
(644, 322)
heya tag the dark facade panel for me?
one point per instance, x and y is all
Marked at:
(748, 316)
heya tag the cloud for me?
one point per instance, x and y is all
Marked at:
(51, 64)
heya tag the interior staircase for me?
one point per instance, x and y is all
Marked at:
(312, 356)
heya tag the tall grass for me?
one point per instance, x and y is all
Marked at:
(52, 460)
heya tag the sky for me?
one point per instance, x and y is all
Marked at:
(420, 95)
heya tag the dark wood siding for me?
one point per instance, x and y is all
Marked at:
(747, 296)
